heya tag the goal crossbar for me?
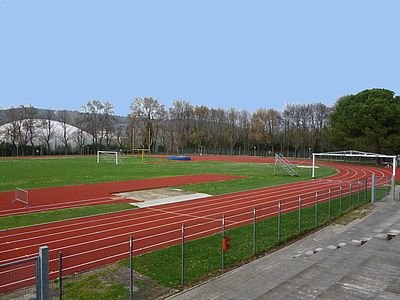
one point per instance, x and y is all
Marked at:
(353, 153)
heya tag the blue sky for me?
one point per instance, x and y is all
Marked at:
(245, 54)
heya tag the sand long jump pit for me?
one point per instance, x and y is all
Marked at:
(153, 197)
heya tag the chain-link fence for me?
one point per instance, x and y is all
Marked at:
(26, 278)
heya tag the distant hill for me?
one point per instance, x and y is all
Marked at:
(73, 115)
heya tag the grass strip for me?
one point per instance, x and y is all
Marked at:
(58, 215)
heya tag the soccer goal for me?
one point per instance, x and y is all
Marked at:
(113, 157)
(284, 164)
(21, 195)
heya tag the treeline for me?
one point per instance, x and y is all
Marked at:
(28, 130)
(367, 121)
(299, 128)
(182, 128)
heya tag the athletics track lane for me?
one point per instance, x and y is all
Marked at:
(94, 241)
(91, 194)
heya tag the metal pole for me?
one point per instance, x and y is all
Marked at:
(373, 188)
(279, 221)
(313, 166)
(366, 189)
(329, 205)
(394, 187)
(316, 209)
(340, 200)
(386, 186)
(130, 267)
(222, 250)
(351, 197)
(44, 273)
(183, 257)
(254, 231)
(299, 218)
(358, 192)
(394, 179)
(60, 276)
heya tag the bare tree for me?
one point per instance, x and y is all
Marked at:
(107, 121)
(232, 118)
(258, 125)
(120, 135)
(149, 113)
(199, 134)
(99, 122)
(47, 126)
(13, 128)
(80, 136)
(64, 119)
(92, 120)
(244, 121)
(29, 115)
(182, 121)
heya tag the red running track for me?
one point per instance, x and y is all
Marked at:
(92, 194)
(94, 241)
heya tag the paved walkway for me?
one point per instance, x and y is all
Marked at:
(315, 268)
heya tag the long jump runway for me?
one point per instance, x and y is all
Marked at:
(94, 241)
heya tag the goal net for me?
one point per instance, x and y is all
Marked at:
(112, 157)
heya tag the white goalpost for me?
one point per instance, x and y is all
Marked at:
(108, 157)
(359, 154)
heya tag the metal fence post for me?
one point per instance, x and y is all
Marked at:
(130, 267)
(183, 257)
(394, 187)
(44, 273)
(358, 192)
(279, 221)
(60, 275)
(340, 200)
(254, 231)
(386, 186)
(373, 188)
(351, 196)
(329, 205)
(316, 209)
(222, 250)
(299, 217)
(365, 189)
